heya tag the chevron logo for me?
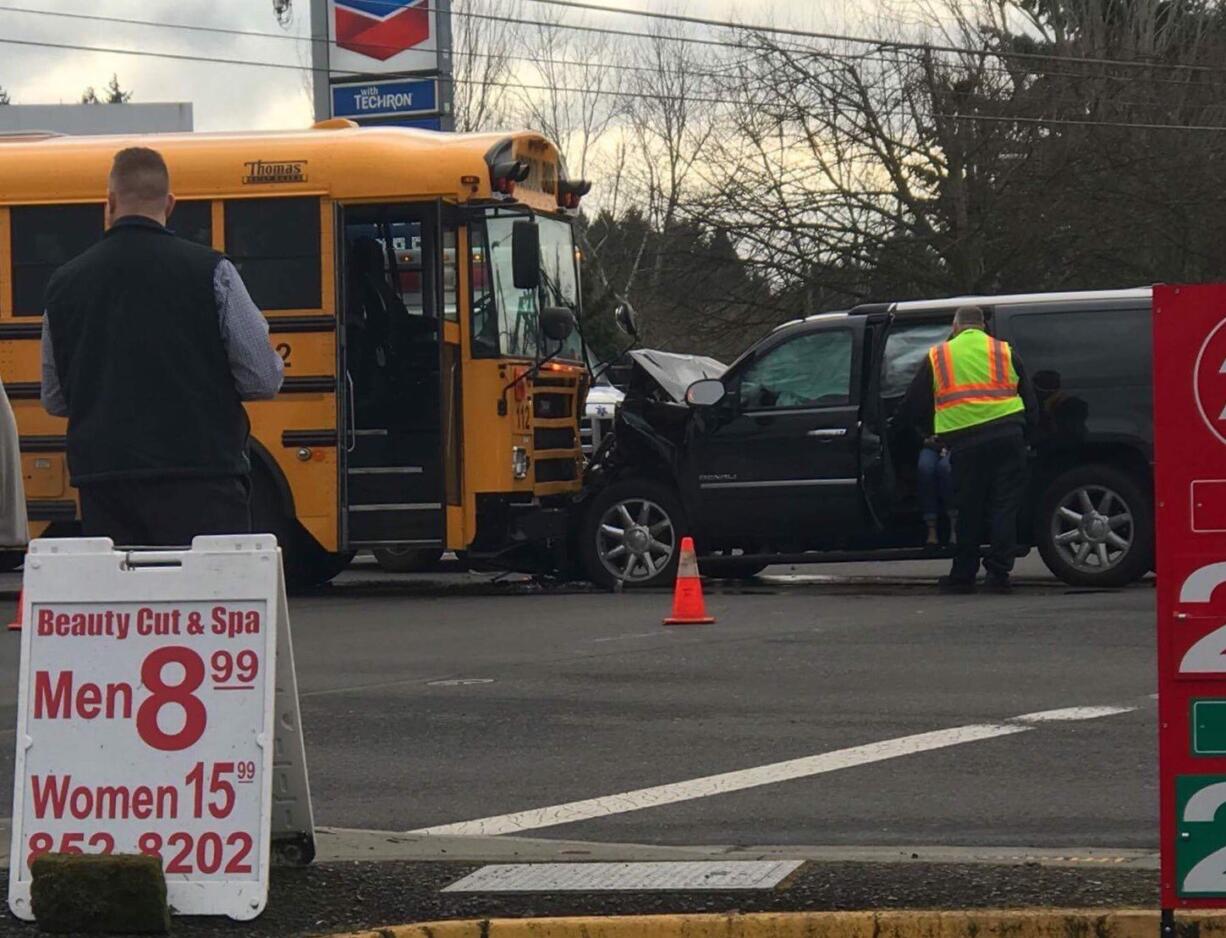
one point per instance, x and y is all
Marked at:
(380, 29)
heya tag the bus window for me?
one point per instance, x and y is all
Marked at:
(193, 221)
(451, 268)
(485, 311)
(506, 319)
(43, 238)
(274, 243)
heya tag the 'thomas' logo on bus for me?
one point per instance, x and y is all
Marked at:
(263, 172)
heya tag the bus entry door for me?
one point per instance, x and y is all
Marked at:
(392, 480)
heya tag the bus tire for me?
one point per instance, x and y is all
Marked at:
(305, 562)
(653, 508)
(408, 559)
(1074, 532)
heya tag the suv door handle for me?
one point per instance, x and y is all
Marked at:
(828, 432)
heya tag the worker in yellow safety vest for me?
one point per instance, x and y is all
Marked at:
(972, 394)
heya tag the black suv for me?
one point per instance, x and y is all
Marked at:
(791, 456)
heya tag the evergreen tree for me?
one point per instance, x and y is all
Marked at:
(115, 94)
(112, 94)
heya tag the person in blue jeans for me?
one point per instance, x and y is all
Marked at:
(934, 479)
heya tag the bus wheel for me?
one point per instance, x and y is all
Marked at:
(632, 534)
(1096, 527)
(306, 563)
(408, 559)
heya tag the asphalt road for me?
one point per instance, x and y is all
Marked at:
(428, 702)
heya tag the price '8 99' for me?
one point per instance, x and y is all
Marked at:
(172, 677)
(232, 672)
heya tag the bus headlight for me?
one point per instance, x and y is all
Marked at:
(520, 461)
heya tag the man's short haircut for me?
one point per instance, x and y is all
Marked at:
(139, 175)
(968, 317)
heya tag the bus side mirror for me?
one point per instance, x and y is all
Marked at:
(626, 319)
(526, 255)
(557, 323)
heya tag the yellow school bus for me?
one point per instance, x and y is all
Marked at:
(421, 289)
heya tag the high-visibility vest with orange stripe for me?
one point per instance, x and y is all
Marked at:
(974, 381)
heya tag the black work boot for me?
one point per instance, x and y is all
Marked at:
(998, 583)
(950, 586)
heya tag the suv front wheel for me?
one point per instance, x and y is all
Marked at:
(632, 533)
(1096, 527)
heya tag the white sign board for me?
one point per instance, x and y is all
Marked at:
(146, 717)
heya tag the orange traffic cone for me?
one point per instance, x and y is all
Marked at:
(688, 605)
(21, 605)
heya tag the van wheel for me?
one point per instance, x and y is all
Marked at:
(306, 563)
(1096, 527)
(407, 559)
(632, 534)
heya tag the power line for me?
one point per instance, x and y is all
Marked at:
(213, 60)
(877, 43)
(602, 92)
(858, 40)
(300, 40)
(521, 85)
(1076, 122)
(697, 73)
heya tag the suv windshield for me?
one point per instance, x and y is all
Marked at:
(505, 319)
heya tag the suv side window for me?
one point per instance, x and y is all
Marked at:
(1085, 348)
(811, 370)
(905, 349)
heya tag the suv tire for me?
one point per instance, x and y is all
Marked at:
(1096, 527)
(645, 520)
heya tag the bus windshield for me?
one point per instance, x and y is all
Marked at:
(505, 319)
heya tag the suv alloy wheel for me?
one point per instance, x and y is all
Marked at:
(1096, 527)
(632, 533)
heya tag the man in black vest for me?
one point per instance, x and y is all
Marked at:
(150, 346)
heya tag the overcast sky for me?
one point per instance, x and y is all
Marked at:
(229, 96)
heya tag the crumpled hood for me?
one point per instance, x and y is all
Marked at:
(674, 372)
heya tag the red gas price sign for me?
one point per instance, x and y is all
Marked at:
(144, 727)
(1190, 489)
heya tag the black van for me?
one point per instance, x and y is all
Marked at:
(791, 455)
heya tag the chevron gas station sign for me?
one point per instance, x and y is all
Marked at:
(376, 49)
(382, 29)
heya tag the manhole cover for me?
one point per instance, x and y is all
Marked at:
(460, 682)
(691, 876)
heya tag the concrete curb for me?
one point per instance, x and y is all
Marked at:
(1053, 923)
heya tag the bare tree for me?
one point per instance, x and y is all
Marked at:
(485, 38)
(567, 92)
